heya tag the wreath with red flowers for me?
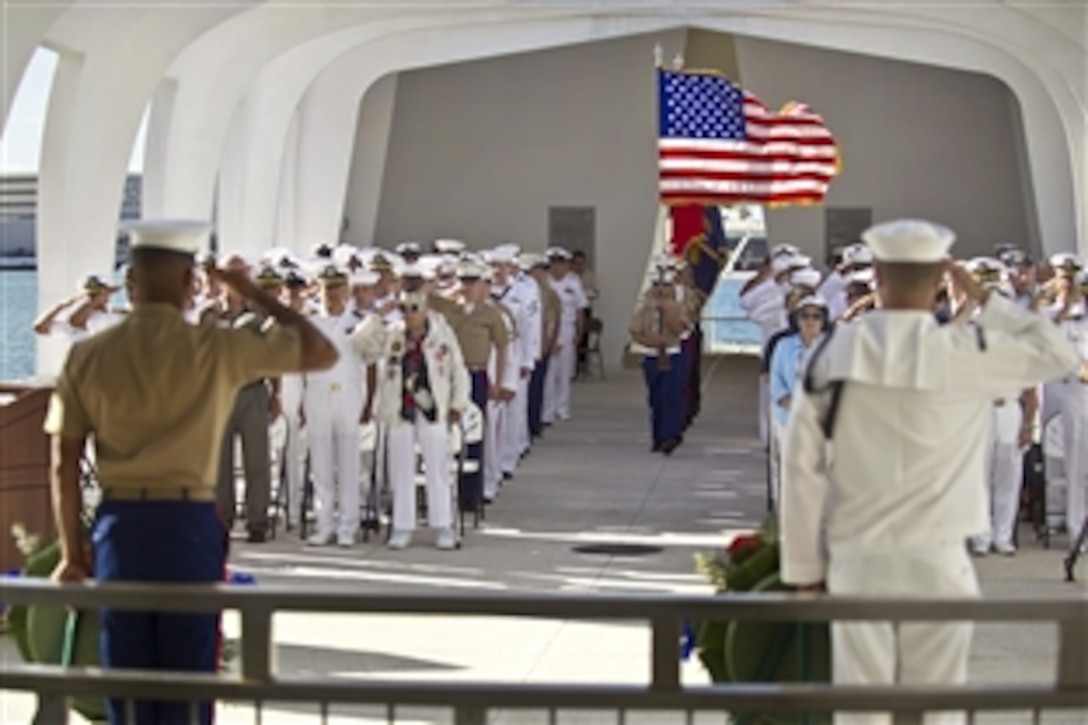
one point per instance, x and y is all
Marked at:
(747, 651)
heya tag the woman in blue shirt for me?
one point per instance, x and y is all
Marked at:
(811, 320)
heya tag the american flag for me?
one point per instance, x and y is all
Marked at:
(720, 145)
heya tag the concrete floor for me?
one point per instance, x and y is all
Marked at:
(591, 480)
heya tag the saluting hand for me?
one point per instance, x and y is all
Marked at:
(237, 279)
(965, 281)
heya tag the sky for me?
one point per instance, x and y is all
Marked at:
(20, 145)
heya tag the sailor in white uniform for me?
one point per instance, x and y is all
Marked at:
(572, 322)
(519, 293)
(763, 299)
(1072, 318)
(90, 312)
(290, 386)
(1011, 420)
(334, 402)
(913, 397)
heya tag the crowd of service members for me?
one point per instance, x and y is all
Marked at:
(425, 337)
(796, 305)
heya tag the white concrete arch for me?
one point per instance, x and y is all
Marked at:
(1058, 195)
(270, 102)
(97, 100)
(330, 109)
(24, 27)
(210, 79)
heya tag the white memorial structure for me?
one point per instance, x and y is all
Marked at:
(507, 119)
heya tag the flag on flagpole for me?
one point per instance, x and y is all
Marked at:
(698, 237)
(718, 144)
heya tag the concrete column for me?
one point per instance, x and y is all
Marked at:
(285, 204)
(333, 103)
(23, 26)
(324, 162)
(153, 193)
(96, 104)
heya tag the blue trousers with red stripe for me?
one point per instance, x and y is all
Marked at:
(172, 543)
(664, 390)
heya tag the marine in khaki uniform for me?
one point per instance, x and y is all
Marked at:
(155, 393)
(550, 310)
(480, 330)
(248, 423)
(656, 329)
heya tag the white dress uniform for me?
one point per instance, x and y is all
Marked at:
(1074, 414)
(890, 518)
(1004, 474)
(498, 411)
(572, 299)
(449, 389)
(765, 305)
(523, 301)
(333, 402)
(531, 343)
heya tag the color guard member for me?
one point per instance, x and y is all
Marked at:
(656, 329)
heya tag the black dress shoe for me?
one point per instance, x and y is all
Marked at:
(670, 445)
(655, 448)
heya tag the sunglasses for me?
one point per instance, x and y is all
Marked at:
(413, 308)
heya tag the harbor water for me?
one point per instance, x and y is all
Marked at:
(724, 329)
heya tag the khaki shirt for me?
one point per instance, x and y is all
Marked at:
(156, 393)
(552, 308)
(477, 331)
(648, 320)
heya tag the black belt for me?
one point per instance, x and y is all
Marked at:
(164, 494)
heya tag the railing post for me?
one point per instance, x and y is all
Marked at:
(257, 643)
(665, 654)
(1073, 654)
(469, 715)
(52, 709)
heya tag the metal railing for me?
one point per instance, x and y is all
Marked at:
(470, 702)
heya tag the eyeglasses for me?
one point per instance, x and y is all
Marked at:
(810, 316)
(411, 308)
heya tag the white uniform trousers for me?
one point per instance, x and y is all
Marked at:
(908, 653)
(497, 416)
(764, 411)
(777, 435)
(401, 440)
(525, 438)
(332, 423)
(515, 433)
(293, 461)
(1075, 429)
(1004, 474)
(557, 386)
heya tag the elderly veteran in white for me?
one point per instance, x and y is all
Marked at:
(422, 391)
(913, 401)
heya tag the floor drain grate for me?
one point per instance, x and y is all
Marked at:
(618, 549)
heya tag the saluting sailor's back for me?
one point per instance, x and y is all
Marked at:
(906, 490)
